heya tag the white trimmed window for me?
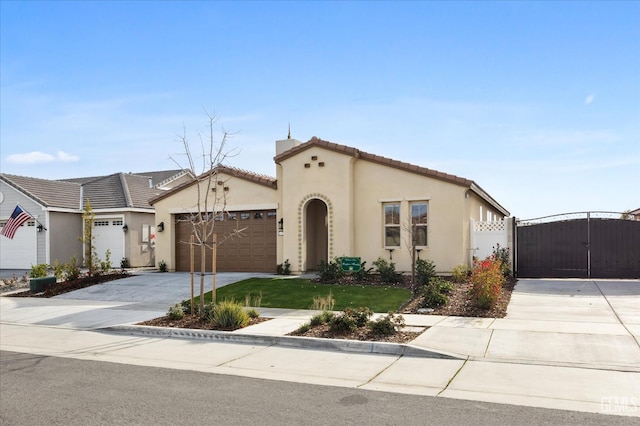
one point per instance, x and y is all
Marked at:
(391, 224)
(419, 216)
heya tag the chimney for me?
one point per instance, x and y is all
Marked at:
(150, 183)
(286, 144)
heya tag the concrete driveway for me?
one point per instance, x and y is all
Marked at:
(140, 297)
(155, 288)
(584, 323)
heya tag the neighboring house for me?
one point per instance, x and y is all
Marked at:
(124, 219)
(329, 200)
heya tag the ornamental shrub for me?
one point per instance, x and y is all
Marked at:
(387, 325)
(229, 315)
(435, 292)
(387, 271)
(487, 280)
(175, 312)
(460, 273)
(39, 270)
(284, 268)
(502, 255)
(330, 271)
(425, 270)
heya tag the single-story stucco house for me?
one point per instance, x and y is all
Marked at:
(124, 220)
(327, 200)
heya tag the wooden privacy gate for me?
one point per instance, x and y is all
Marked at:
(579, 245)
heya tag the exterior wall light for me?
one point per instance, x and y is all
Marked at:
(281, 226)
(161, 227)
(125, 228)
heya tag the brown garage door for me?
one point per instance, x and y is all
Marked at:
(254, 251)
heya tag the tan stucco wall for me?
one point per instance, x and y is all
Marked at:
(355, 191)
(138, 252)
(242, 195)
(298, 184)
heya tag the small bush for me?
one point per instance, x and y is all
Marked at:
(363, 274)
(502, 255)
(162, 266)
(175, 312)
(39, 270)
(284, 268)
(387, 325)
(321, 318)
(435, 292)
(425, 270)
(105, 265)
(433, 298)
(71, 270)
(460, 273)
(349, 319)
(304, 328)
(342, 323)
(124, 263)
(387, 271)
(229, 315)
(330, 271)
(253, 313)
(323, 303)
(58, 270)
(361, 315)
(487, 281)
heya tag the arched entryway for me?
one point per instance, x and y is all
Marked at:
(316, 234)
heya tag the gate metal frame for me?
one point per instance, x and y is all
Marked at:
(518, 223)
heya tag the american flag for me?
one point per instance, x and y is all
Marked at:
(18, 217)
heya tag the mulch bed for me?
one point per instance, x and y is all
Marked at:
(461, 305)
(362, 334)
(67, 286)
(192, 322)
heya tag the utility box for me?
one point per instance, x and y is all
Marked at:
(38, 285)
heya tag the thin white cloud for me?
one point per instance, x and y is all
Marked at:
(566, 137)
(590, 99)
(37, 157)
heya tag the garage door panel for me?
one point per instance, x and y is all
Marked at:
(21, 251)
(254, 251)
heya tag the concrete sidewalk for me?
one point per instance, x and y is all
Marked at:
(569, 344)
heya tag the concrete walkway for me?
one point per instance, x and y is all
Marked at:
(568, 344)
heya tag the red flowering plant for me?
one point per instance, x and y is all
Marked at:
(487, 280)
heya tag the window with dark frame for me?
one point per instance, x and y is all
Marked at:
(419, 221)
(392, 225)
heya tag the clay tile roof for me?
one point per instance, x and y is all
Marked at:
(424, 171)
(314, 141)
(49, 193)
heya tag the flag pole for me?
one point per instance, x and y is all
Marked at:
(34, 218)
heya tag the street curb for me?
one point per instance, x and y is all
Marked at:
(338, 345)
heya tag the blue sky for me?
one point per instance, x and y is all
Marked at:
(538, 103)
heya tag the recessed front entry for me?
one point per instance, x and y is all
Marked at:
(316, 233)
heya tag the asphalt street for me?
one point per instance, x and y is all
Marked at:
(41, 390)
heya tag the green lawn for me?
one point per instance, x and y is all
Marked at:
(297, 293)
